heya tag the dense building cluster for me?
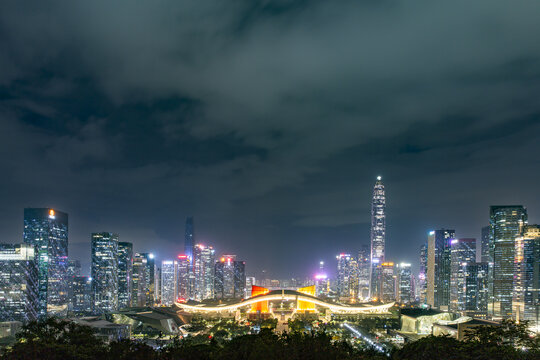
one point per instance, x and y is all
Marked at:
(37, 279)
(497, 277)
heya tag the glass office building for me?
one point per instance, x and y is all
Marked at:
(439, 269)
(506, 224)
(18, 283)
(463, 254)
(105, 272)
(125, 274)
(47, 230)
(378, 232)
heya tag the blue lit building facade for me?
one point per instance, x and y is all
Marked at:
(47, 230)
(439, 268)
(125, 274)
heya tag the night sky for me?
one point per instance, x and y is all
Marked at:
(268, 121)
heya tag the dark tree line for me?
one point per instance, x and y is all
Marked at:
(57, 339)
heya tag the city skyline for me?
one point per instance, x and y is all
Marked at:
(268, 122)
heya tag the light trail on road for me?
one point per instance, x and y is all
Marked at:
(367, 339)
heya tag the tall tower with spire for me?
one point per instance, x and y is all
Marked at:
(378, 233)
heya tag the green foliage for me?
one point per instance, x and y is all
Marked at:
(56, 339)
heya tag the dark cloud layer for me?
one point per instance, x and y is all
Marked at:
(268, 121)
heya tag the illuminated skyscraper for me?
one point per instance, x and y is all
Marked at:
(439, 270)
(526, 300)
(125, 274)
(149, 273)
(364, 265)
(47, 230)
(83, 299)
(406, 290)
(138, 281)
(169, 282)
(18, 283)
(422, 275)
(387, 280)
(476, 290)
(347, 278)
(73, 270)
(463, 256)
(184, 266)
(105, 272)
(230, 278)
(485, 256)
(203, 270)
(506, 223)
(189, 240)
(378, 231)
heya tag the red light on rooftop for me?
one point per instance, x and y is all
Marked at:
(182, 256)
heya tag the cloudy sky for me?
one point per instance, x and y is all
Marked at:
(268, 121)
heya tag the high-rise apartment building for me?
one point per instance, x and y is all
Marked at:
(203, 271)
(439, 270)
(189, 238)
(230, 278)
(125, 274)
(506, 223)
(463, 255)
(378, 232)
(18, 283)
(364, 266)
(526, 299)
(406, 286)
(47, 230)
(169, 282)
(105, 272)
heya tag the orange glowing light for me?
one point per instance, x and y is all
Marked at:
(306, 305)
(261, 306)
(51, 212)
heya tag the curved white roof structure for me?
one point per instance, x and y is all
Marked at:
(289, 295)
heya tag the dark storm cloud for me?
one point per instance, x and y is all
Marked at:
(268, 120)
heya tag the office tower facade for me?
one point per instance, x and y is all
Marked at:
(125, 274)
(406, 286)
(184, 267)
(378, 232)
(169, 282)
(484, 248)
(203, 270)
(439, 271)
(138, 282)
(347, 278)
(149, 274)
(462, 255)
(19, 300)
(230, 278)
(422, 275)
(47, 230)
(74, 269)
(387, 280)
(364, 265)
(250, 282)
(476, 290)
(526, 298)
(83, 300)
(189, 238)
(105, 272)
(506, 223)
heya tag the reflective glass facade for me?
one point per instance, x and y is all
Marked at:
(378, 230)
(526, 300)
(230, 278)
(83, 300)
(439, 269)
(125, 273)
(184, 266)
(105, 272)
(406, 293)
(18, 283)
(463, 255)
(506, 223)
(47, 230)
(203, 270)
(138, 282)
(169, 282)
